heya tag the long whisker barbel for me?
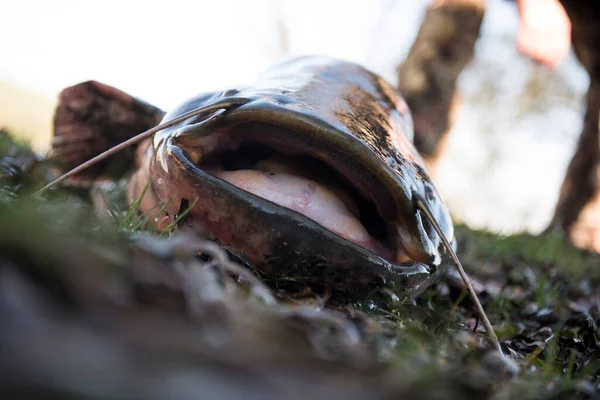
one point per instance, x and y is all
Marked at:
(422, 205)
(226, 104)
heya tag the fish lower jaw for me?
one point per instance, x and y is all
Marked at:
(301, 184)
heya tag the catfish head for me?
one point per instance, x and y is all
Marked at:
(308, 173)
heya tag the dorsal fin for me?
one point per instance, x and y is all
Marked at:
(91, 118)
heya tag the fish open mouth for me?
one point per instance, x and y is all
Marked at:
(305, 176)
(308, 172)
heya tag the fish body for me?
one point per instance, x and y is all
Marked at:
(307, 173)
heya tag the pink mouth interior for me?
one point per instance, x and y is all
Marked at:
(269, 164)
(283, 181)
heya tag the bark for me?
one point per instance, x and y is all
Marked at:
(427, 79)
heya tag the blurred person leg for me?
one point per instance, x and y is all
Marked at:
(578, 208)
(444, 45)
(544, 31)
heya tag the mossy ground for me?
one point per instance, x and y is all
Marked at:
(134, 293)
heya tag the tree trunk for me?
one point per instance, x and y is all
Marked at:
(578, 209)
(427, 79)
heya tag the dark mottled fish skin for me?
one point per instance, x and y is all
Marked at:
(336, 111)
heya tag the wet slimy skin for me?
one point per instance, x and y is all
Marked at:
(312, 174)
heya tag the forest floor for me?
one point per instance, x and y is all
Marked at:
(98, 307)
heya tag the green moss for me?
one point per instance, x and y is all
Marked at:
(548, 249)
